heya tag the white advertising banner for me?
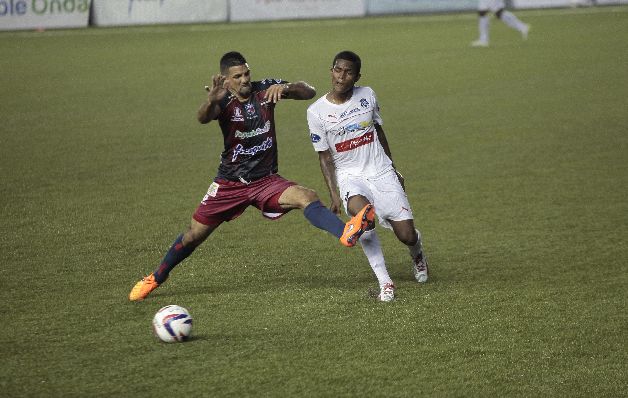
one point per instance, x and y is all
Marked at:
(608, 2)
(146, 12)
(43, 14)
(255, 10)
(541, 3)
(415, 6)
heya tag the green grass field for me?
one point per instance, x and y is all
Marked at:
(516, 164)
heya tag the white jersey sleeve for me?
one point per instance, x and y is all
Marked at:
(317, 129)
(377, 118)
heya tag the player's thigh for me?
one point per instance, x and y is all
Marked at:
(297, 197)
(390, 199)
(355, 194)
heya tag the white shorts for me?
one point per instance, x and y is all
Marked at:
(384, 192)
(490, 5)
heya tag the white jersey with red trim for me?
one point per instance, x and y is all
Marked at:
(348, 131)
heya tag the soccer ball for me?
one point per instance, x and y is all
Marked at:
(172, 323)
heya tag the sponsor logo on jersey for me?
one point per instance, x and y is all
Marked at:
(253, 133)
(364, 103)
(353, 143)
(315, 137)
(237, 115)
(250, 110)
(241, 150)
(349, 112)
(350, 128)
(211, 192)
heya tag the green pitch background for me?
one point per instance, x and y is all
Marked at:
(516, 164)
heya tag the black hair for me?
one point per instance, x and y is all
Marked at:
(232, 58)
(351, 57)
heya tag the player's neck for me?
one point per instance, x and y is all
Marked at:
(238, 96)
(242, 99)
(339, 98)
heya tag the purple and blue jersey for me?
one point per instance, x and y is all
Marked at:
(248, 129)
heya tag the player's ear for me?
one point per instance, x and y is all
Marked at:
(358, 77)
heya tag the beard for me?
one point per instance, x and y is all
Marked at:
(245, 91)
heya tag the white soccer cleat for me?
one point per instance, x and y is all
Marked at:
(387, 293)
(479, 43)
(420, 268)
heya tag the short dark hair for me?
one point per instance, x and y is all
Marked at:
(232, 58)
(351, 57)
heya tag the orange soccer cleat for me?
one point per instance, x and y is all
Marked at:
(357, 225)
(143, 288)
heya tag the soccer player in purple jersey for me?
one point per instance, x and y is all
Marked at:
(247, 174)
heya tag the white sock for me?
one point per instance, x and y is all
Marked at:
(417, 248)
(373, 251)
(483, 27)
(511, 20)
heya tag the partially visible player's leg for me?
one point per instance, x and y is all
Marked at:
(483, 29)
(321, 217)
(224, 201)
(512, 21)
(298, 197)
(182, 247)
(411, 237)
(369, 240)
(373, 250)
(394, 211)
(484, 6)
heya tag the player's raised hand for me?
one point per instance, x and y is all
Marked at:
(274, 93)
(218, 89)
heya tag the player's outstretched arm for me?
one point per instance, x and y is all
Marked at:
(210, 109)
(328, 168)
(298, 90)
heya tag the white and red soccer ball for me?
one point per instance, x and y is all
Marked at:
(172, 324)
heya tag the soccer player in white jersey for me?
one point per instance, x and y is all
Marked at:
(496, 7)
(346, 131)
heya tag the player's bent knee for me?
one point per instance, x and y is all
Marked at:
(407, 237)
(196, 234)
(298, 197)
(356, 203)
(311, 195)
